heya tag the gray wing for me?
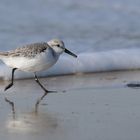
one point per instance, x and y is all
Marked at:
(29, 50)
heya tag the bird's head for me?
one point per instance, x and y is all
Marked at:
(59, 47)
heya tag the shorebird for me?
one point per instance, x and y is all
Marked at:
(34, 57)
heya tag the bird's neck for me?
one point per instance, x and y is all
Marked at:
(55, 54)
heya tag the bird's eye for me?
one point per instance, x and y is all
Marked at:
(58, 45)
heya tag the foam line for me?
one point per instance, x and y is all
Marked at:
(122, 59)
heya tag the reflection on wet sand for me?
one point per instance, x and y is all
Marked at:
(38, 102)
(12, 106)
(31, 121)
(11, 103)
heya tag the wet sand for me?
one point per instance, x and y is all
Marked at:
(95, 106)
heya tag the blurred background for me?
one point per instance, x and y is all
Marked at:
(84, 25)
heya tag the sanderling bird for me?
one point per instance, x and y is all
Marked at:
(34, 58)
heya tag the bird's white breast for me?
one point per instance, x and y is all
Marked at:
(42, 61)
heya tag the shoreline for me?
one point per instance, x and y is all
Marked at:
(108, 75)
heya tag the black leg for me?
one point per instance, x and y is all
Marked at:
(11, 84)
(36, 79)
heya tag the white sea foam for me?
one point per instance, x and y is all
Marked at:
(122, 59)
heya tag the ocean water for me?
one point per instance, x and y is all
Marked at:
(105, 34)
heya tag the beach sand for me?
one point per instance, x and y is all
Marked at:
(95, 106)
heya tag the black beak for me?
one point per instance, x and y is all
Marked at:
(70, 53)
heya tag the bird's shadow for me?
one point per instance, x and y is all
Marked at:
(37, 103)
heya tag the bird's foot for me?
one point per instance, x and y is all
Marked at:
(8, 86)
